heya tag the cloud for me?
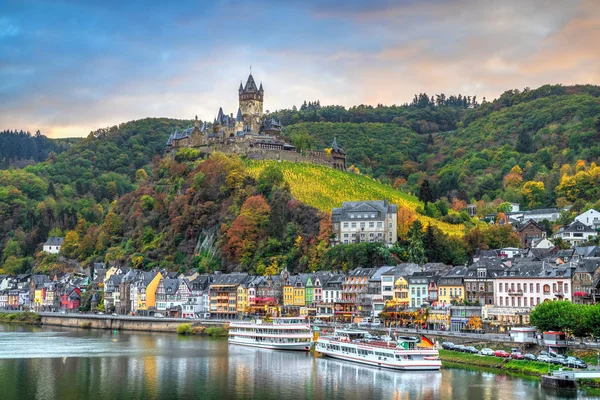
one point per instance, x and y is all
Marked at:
(81, 66)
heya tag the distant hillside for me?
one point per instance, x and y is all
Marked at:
(537, 130)
(325, 188)
(20, 148)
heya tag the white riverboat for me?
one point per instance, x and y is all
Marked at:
(359, 346)
(285, 333)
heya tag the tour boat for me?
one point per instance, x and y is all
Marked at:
(359, 346)
(285, 333)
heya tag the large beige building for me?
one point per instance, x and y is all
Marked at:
(365, 221)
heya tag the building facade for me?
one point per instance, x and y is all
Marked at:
(365, 221)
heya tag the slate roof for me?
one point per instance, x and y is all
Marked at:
(230, 279)
(404, 269)
(54, 241)
(335, 147)
(575, 227)
(362, 272)
(588, 265)
(588, 251)
(539, 269)
(380, 207)
(170, 285)
(250, 85)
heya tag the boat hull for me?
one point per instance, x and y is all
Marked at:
(405, 366)
(272, 346)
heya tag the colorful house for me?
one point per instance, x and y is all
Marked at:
(451, 286)
(242, 299)
(70, 299)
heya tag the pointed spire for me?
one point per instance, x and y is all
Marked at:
(250, 84)
(220, 114)
(261, 88)
(239, 115)
(241, 89)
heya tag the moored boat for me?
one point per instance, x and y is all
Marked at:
(284, 333)
(359, 346)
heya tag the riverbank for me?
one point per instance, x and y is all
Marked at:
(531, 368)
(26, 318)
(518, 367)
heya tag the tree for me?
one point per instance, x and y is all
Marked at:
(141, 176)
(474, 323)
(70, 244)
(524, 142)
(416, 252)
(533, 192)
(268, 178)
(426, 194)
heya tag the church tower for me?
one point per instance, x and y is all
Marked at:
(251, 104)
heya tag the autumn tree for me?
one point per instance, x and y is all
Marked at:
(247, 229)
(514, 178)
(533, 192)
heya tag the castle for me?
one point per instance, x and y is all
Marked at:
(250, 134)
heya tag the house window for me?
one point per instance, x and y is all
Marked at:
(354, 224)
(371, 224)
(537, 288)
(380, 224)
(531, 287)
(500, 300)
(362, 224)
(345, 224)
(500, 287)
(566, 287)
(351, 215)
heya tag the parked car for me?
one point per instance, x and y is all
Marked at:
(459, 347)
(544, 358)
(544, 353)
(486, 352)
(575, 362)
(559, 360)
(317, 321)
(530, 357)
(501, 353)
(448, 346)
(376, 323)
(517, 356)
(365, 322)
(471, 349)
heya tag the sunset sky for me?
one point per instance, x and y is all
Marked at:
(70, 67)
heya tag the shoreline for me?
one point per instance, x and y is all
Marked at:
(519, 368)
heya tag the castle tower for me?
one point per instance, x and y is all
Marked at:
(251, 104)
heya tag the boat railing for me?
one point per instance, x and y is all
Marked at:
(388, 345)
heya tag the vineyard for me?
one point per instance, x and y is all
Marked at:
(325, 188)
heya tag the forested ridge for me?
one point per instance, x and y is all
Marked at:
(116, 198)
(19, 148)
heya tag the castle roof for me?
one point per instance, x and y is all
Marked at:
(250, 85)
(335, 147)
(239, 113)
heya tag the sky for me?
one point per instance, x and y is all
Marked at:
(70, 67)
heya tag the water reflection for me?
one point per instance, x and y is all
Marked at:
(47, 363)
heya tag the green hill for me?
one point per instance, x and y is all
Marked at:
(325, 188)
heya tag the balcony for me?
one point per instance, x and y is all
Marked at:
(515, 292)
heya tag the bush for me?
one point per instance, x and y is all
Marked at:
(86, 325)
(184, 329)
(217, 331)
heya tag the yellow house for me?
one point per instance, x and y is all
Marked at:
(147, 295)
(38, 297)
(401, 293)
(242, 298)
(451, 287)
(288, 295)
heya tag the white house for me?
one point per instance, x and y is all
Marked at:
(365, 221)
(53, 244)
(590, 218)
(530, 283)
(332, 289)
(576, 233)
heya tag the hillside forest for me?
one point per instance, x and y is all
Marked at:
(117, 198)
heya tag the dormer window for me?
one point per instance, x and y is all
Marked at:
(579, 227)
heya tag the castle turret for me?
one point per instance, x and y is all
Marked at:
(251, 104)
(196, 123)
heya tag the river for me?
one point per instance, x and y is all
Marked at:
(62, 363)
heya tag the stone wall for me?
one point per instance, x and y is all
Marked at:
(122, 322)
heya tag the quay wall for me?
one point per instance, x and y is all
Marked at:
(123, 323)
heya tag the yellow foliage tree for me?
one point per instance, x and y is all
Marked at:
(533, 191)
(474, 323)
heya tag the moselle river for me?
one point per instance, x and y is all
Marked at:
(63, 363)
